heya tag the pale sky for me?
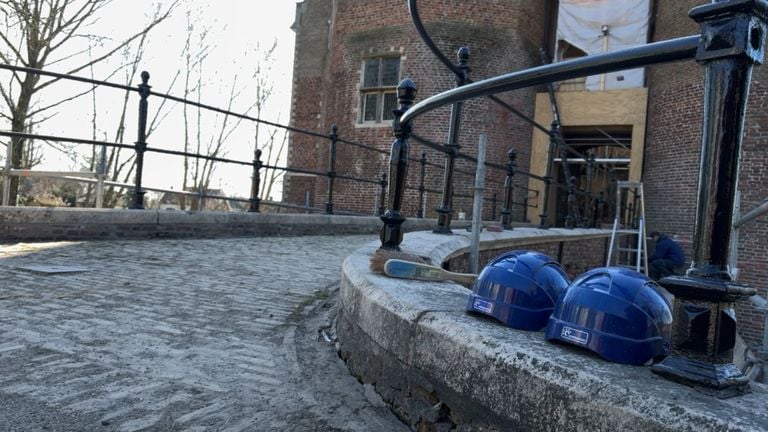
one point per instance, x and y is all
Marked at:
(238, 30)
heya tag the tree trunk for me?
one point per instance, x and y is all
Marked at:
(18, 124)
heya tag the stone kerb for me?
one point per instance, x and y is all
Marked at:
(440, 367)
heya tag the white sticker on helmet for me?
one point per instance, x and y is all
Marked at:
(482, 306)
(574, 335)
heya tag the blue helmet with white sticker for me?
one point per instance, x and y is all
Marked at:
(519, 288)
(620, 314)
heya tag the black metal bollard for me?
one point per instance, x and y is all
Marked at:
(334, 137)
(554, 132)
(493, 206)
(141, 143)
(451, 150)
(392, 232)
(704, 333)
(382, 194)
(255, 183)
(422, 188)
(509, 191)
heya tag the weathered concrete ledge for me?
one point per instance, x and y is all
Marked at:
(42, 223)
(441, 368)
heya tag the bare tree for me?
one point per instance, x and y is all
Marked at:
(193, 62)
(119, 167)
(38, 33)
(212, 140)
(273, 146)
(218, 134)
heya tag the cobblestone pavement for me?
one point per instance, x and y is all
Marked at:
(169, 335)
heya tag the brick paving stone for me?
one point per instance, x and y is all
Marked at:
(159, 334)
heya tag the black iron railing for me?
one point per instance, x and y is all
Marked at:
(333, 173)
(583, 210)
(732, 40)
(141, 147)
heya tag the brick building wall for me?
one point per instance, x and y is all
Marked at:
(502, 35)
(673, 150)
(312, 36)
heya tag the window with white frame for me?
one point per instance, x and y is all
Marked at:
(378, 91)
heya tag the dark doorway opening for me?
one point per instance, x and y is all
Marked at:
(611, 147)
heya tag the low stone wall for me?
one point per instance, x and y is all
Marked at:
(443, 369)
(45, 224)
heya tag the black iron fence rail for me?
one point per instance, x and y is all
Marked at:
(141, 147)
(731, 42)
(655, 53)
(662, 52)
(748, 49)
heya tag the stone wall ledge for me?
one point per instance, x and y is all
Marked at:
(440, 367)
(46, 224)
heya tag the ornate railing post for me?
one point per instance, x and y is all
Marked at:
(704, 333)
(255, 183)
(422, 188)
(554, 133)
(597, 217)
(612, 185)
(452, 149)
(334, 137)
(525, 206)
(382, 194)
(509, 191)
(392, 231)
(590, 177)
(141, 142)
(570, 217)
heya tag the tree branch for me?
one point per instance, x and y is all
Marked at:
(15, 51)
(67, 57)
(7, 98)
(117, 48)
(33, 123)
(76, 21)
(55, 104)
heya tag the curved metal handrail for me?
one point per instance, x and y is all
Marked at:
(416, 18)
(461, 77)
(654, 53)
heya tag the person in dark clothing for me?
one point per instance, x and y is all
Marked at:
(667, 257)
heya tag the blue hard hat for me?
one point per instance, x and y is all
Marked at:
(519, 288)
(618, 313)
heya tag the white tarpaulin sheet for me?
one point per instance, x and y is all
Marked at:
(581, 23)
